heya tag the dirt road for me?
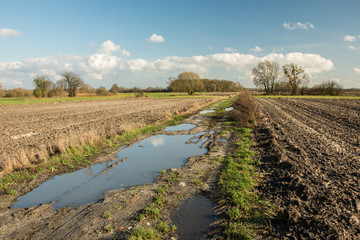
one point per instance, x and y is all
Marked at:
(311, 165)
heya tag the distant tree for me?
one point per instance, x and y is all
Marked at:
(186, 82)
(42, 85)
(265, 76)
(86, 88)
(0, 87)
(72, 82)
(295, 76)
(102, 91)
(114, 89)
(329, 87)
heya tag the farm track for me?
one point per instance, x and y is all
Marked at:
(31, 130)
(311, 166)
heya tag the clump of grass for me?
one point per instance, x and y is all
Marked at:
(106, 215)
(197, 182)
(142, 233)
(162, 227)
(152, 211)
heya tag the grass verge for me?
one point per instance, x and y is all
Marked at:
(307, 97)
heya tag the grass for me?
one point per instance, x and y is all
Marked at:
(307, 96)
(142, 233)
(238, 179)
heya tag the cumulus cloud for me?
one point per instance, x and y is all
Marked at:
(298, 25)
(156, 38)
(109, 47)
(108, 68)
(350, 38)
(7, 32)
(357, 70)
(229, 49)
(256, 49)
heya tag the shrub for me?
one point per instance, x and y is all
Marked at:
(246, 110)
(18, 92)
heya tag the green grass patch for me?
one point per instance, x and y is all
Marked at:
(237, 180)
(143, 233)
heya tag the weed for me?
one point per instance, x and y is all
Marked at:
(162, 227)
(162, 172)
(152, 211)
(160, 190)
(173, 228)
(107, 229)
(143, 233)
(159, 200)
(197, 182)
(106, 215)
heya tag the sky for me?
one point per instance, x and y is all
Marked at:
(141, 43)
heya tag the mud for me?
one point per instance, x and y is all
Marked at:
(310, 156)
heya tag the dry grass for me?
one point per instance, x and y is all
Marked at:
(246, 110)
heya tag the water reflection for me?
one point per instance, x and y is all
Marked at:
(141, 165)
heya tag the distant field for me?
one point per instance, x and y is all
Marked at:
(23, 100)
(307, 97)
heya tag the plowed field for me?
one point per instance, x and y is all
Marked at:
(311, 165)
(29, 133)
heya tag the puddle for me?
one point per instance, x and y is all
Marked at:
(142, 164)
(229, 109)
(194, 217)
(207, 111)
(220, 140)
(180, 127)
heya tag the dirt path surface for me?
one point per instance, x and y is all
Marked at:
(28, 133)
(310, 156)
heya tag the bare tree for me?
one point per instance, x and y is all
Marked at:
(295, 76)
(265, 75)
(71, 82)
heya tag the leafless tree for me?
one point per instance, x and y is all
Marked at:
(265, 75)
(295, 76)
(72, 82)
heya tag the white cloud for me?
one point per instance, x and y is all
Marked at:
(256, 49)
(354, 48)
(109, 47)
(298, 25)
(7, 32)
(108, 68)
(102, 62)
(357, 70)
(156, 38)
(229, 49)
(350, 38)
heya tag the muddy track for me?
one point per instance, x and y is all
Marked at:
(310, 151)
(124, 205)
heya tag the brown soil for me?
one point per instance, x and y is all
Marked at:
(310, 165)
(29, 133)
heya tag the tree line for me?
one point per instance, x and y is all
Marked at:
(191, 82)
(266, 76)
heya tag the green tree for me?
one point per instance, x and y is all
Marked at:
(296, 76)
(42, 85)
(188, 82)
(265, 76)
(71, 82)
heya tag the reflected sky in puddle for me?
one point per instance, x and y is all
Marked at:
(207, 111)
(194, 217)
(229, 109)
(180, 127)
(144, 161)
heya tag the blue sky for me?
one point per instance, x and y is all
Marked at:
(142, 43)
